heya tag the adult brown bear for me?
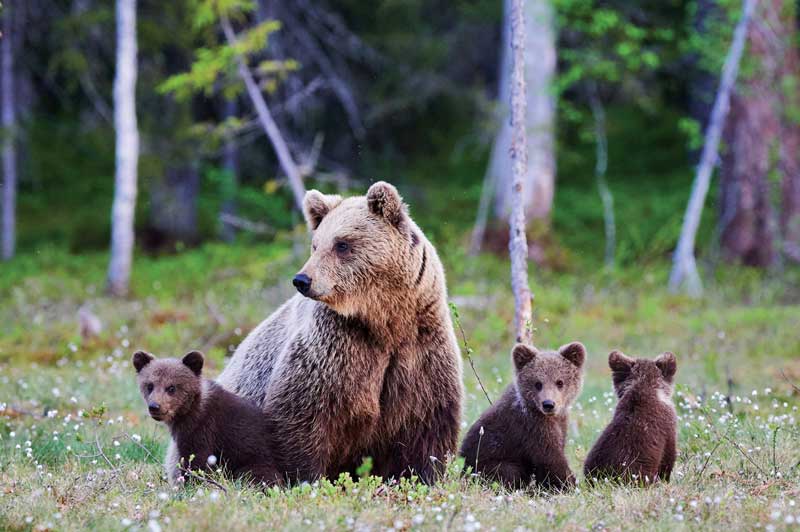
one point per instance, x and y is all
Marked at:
(364, 360)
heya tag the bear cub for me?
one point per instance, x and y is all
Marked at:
(639, 445)
(209, 425)
(520, 439)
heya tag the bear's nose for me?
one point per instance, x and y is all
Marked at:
(302, 282)
(154, 408)
(548, 406)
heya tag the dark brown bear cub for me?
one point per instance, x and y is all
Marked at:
(639, 445)
(209, 425)
(520, 439)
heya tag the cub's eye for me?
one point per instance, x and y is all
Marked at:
(560, 384)
(149, 387)
(538, 386)
(171, 389)
(341, 247)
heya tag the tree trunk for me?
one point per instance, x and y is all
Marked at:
(9, 133)
(127, 151)
(748, 228)
(173, 206)
(789, 157)
(684, 266)
(539, 72)
(600, 167)
(230, 166)
(518, 243)
(267, 122)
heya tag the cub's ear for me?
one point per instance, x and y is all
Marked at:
(668, 365)
(194, 361)
(383, 200)
(523, 355)
(140, 359)
(574, 352)
(317, 205)
(620, 366)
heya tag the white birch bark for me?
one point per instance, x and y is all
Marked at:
(600, 167)
(539, 72)
(127, 151)
(684, 265)
(9, 134)
(518, 244)
(268, 123)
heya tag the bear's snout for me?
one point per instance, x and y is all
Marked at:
(154, 408)
(302, 282)
(548, 406)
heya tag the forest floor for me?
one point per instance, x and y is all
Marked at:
(77, 449)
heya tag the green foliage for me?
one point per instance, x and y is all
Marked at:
(213, 64)
(609, 44)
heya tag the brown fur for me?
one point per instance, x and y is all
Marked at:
(204, 419)
(640, 444)
(521, 441)
(367, 363)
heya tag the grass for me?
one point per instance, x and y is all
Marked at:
(77, 449)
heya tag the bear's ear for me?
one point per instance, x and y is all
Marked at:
(620, 366)
(317, 205)
(523, 355)
(194, 361)
(574, 352)
(140, 359)
(668, 365)
(383, 200)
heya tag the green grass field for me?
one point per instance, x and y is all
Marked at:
(77, 449)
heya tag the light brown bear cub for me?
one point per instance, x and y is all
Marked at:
(210, 426)
(521, 438)
(639, 445)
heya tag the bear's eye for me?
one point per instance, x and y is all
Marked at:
(149, 387)
(171, 389)
(341, 247)
(560, 384)
(538, 386)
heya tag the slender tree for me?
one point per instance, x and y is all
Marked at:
(9, 133)
(684, 265)
(539, 70)
(127, 151)
(600, 167)
(267, 121)
(518, 242)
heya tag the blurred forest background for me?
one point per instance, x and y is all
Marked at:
(342, 93)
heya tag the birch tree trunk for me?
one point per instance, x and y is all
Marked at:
(600, 167)
(684, 266)
(267, 122)
(9, 133)
(539, 72)
(518, 243)
(127, 151)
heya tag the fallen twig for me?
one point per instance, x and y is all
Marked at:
(204, 478)
(793, 385)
